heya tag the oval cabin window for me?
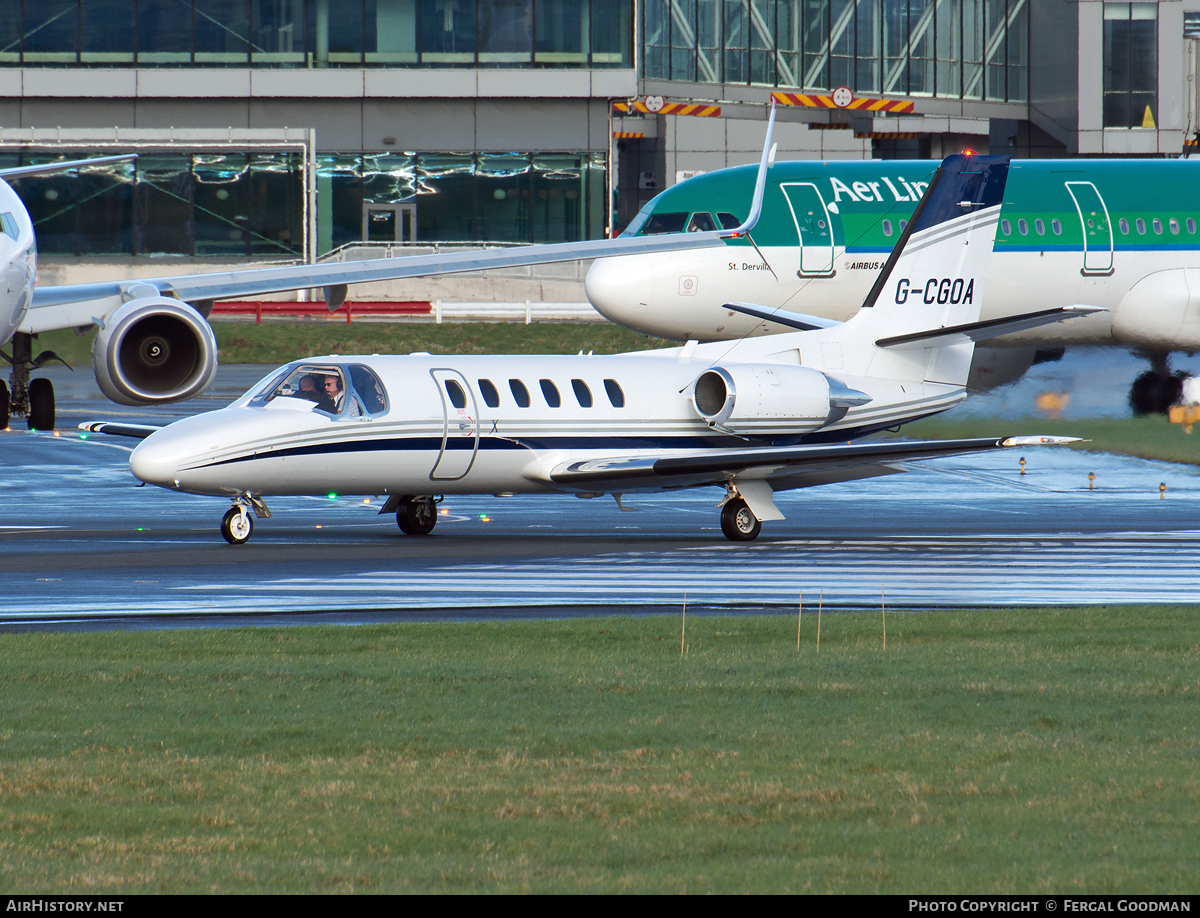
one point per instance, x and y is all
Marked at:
(491, 397)
(1006, 227)
(583, 394)
(1124, 225)
(1056, 225)
(458, 398)
(519, 393)
(615, 396)
(550, 393)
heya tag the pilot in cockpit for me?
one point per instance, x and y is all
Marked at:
(337, 393)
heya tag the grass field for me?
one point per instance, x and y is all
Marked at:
(1006, 751)
(279, 342)
(1151, 437)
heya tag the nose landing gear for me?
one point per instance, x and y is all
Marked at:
(31, 399)
(238, 525)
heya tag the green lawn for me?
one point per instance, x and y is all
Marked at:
(985, 751)
(1151, 437)
(278, 342)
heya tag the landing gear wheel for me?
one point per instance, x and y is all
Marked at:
(237, 526)
(417, 515)
(738, 522)
(1154, 392)
(41, 404)
(4, 406)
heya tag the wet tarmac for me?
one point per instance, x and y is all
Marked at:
(82, 546)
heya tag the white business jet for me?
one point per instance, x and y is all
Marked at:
(751, 417)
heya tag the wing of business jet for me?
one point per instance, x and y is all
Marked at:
(785, 467)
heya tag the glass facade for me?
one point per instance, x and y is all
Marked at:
(1130, 65)
(317, 33)
(482, 197)
(232, 205)
(961, 49)
(237, 205)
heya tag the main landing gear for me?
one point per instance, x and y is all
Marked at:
(738, 521)
(1156, 390)
(32, 399)
(416, 515)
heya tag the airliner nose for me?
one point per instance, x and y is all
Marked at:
(620, 287)
(155, 460)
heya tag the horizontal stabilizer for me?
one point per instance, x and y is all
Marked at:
(796, 320)
(47, 168)
(992, 328)
(140, 431)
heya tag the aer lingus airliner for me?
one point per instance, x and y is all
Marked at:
(1122, 234)
(749, 418)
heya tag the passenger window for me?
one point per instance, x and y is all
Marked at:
(1174, 224)
(664, 223)
(887, 227)
(1124, 224)
(1191, 225)
(371, 394)
(550, 393)
(615, 396)
(458, 398)
(729, 221)
(583, 394)
(1141, 226)
(519, 392)
(903, 223)
(491, 397)
(1040, 226)
(1022, 227)
(702, 223)
(1056, 225)
(1006, 227)
(1157, 226)
(8, 223)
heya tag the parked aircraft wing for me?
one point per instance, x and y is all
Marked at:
(197, 288)
(47, 168)
(783, 462)
(992, 328)
(334, 278)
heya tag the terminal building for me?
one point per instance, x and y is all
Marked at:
(302, 129)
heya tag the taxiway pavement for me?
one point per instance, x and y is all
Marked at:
(82, 546)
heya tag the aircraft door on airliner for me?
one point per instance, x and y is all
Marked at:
(460, 426)
(1097, 228)
(813, 226)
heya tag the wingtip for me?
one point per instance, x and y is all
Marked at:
(1039, 441)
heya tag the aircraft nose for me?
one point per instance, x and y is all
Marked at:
(155, 460)
(620, 288)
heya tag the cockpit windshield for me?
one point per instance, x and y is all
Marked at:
(339, 391)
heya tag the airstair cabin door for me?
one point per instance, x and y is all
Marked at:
(460, 426)
(814, 227)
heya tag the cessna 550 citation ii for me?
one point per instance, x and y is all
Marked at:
(751, 417)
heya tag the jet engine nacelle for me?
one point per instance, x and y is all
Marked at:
(154, 350)
(763, 399)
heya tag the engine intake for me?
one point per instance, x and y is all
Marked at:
(154, 350)
(768, 399)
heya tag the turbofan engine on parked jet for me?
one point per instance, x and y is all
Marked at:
(765, 400)
(154, 350)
